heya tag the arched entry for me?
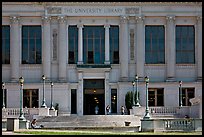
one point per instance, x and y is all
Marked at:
(94, 96)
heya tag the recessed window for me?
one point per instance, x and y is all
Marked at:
(154, 45)
(5, 44)
(94, 44)
(31, 45)
(185, 44)
(73, 44)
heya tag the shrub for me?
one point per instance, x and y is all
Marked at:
(129, 100)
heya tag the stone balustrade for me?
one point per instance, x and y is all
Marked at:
(177, 124)
(28, 112)
(163, 110)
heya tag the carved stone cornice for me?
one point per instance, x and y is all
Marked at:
(139, 19)
(170, 18)
(14, 20)
(124, 19)
(62, 19)
(46, 19)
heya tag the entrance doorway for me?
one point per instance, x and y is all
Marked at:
(94, 97)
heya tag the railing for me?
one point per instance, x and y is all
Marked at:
(163, 110)
(179, 124)
(15, 112)
(28, 112)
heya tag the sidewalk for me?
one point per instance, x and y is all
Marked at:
(12, 133)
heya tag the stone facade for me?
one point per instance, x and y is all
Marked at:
(131, 18)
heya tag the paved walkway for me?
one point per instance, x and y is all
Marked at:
(12, 133)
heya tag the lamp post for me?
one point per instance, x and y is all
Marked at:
(3, 87)
(133, 84)
(137, 92)
(180, 91)
(51, 104)
(43, 102)
(21, 117)
(147, 116)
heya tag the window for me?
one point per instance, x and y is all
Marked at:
(30, 98)
(114, 44)
(31, 45)
(156, 97)
(113, 100)
(5, 44)
(187, 94)
(94, 44)
(73, 44)
(185, 44)
(154, 45)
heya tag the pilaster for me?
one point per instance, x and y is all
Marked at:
(123, 46)
(62, 48)
(15, 48)
(46, 58)
(140, 47)
(199, 48)
(170, 48)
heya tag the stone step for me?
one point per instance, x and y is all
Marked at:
(88, 120)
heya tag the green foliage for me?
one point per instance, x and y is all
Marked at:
(129, 100)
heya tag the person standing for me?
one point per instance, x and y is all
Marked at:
(122, 110)
(108, 110)
(96, 109)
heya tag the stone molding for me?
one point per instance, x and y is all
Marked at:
(107, 26)
(199, 19)
(170, 18)
(80, 25)
(14, 19)
(124, 19)
(62, 19)
(46, 19)
(139, 19)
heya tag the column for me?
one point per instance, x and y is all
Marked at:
(199, 47)
(80, 44)
(171, 51)
(46, 50)
(80, 94)
(107, 44)
(123, 46)
(15, 48)
(140, 47)
(107, 91)
(62, 48)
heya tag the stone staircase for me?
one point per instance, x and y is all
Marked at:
(94, 121)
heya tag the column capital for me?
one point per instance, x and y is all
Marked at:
(46, 19)
(139, 19)
(62, 19)
(14, 19)
(199, 19)
(106, 25)
(170, 18)
(124, 19)
(80, 25)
